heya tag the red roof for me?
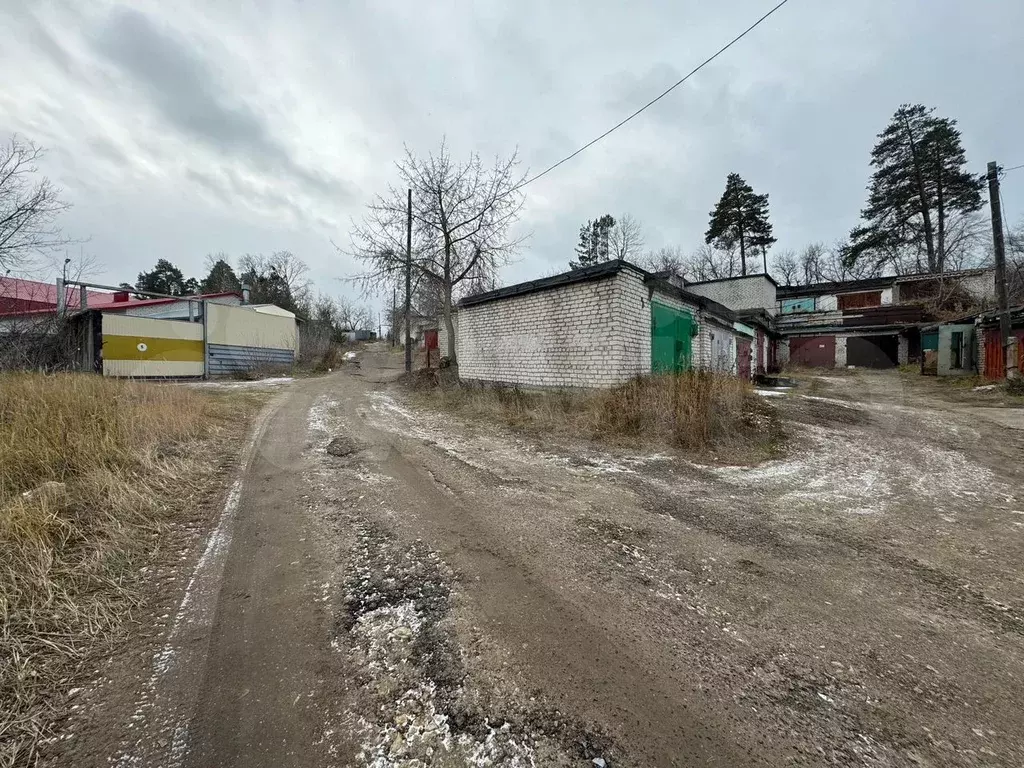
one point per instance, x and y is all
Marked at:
(116, 305)
(19, 296)
(23, 297)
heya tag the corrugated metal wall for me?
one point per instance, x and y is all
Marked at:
(226, 358)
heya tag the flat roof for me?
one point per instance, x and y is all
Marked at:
(765, 275)
(870, 283)
(709, 305)
(596, 272)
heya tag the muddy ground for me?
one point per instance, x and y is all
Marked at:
(399, 589)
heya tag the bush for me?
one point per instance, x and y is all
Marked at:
(1015, 386)
(91, 469)
(694, 411)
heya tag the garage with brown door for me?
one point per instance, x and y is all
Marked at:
(873, 351)
(813, 351)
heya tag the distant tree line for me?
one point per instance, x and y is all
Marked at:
(279, 278)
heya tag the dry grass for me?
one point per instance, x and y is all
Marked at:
(92, 473)
(696, 411)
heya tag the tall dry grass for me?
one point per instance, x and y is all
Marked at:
(695, 411)
(92, 470)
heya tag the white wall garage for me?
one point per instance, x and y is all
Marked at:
(587, 328)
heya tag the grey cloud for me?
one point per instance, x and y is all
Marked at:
(189, 97)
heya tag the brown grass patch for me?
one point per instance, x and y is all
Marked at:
(696, 411)
(92, 472)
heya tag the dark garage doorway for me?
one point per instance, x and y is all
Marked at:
(873, 351)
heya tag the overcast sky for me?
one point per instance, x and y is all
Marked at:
(186, 128)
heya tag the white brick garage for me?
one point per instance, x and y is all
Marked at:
(588, 328)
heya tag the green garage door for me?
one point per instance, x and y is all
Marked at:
(671, 339)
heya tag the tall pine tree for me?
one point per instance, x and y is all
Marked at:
(741, 219)
(166, 278)
(593, 247)
(221, 279)
(918, 188)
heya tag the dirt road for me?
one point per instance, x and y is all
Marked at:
(388, 588)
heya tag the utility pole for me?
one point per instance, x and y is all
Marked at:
(1000, 254)
(394, 317)
(408, 284)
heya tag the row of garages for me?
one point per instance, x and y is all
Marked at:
(862, 350)
(963, 348)
(599, 327)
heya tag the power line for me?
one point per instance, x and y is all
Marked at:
(660, 96)
(1014, 168)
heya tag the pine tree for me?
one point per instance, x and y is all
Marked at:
(918, 187)
(166, 278)
(593, 247)
(221, 278)
(740, 219)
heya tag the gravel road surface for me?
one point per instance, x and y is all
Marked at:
(388, 587)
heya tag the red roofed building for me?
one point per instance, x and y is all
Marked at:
(22, 297)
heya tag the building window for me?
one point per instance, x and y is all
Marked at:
(956, 343)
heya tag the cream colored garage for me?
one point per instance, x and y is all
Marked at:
(144, 347)
(221, 339)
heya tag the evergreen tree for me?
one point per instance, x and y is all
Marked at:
(918, 188)
(740, 219)
(593, 247)
(221, 278)
(268, 286)
(166, 278)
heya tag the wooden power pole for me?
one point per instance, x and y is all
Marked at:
(1000, 254)
(408, 284)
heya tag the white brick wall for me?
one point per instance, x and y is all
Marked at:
(442, 333)
(751, 292)
(589, 334)
(782, 352)
(841, 351)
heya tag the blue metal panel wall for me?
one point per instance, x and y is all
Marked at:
(789, 306)
(226, 358)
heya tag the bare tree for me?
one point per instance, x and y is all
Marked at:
(667, 259)
(29, 206)
(966, 238)
(626, 239)
(709, 262)
(1014, 264)
(280, 278)
(786, 266)
(461, 211)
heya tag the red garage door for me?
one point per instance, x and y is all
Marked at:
(743, 358)
(813, 351)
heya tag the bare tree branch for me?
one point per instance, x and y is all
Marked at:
(462, 213)
(626, 239)
(29, 206)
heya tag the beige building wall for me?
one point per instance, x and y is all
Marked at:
(244, 327)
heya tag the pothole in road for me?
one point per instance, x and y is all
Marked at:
(402, 638)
